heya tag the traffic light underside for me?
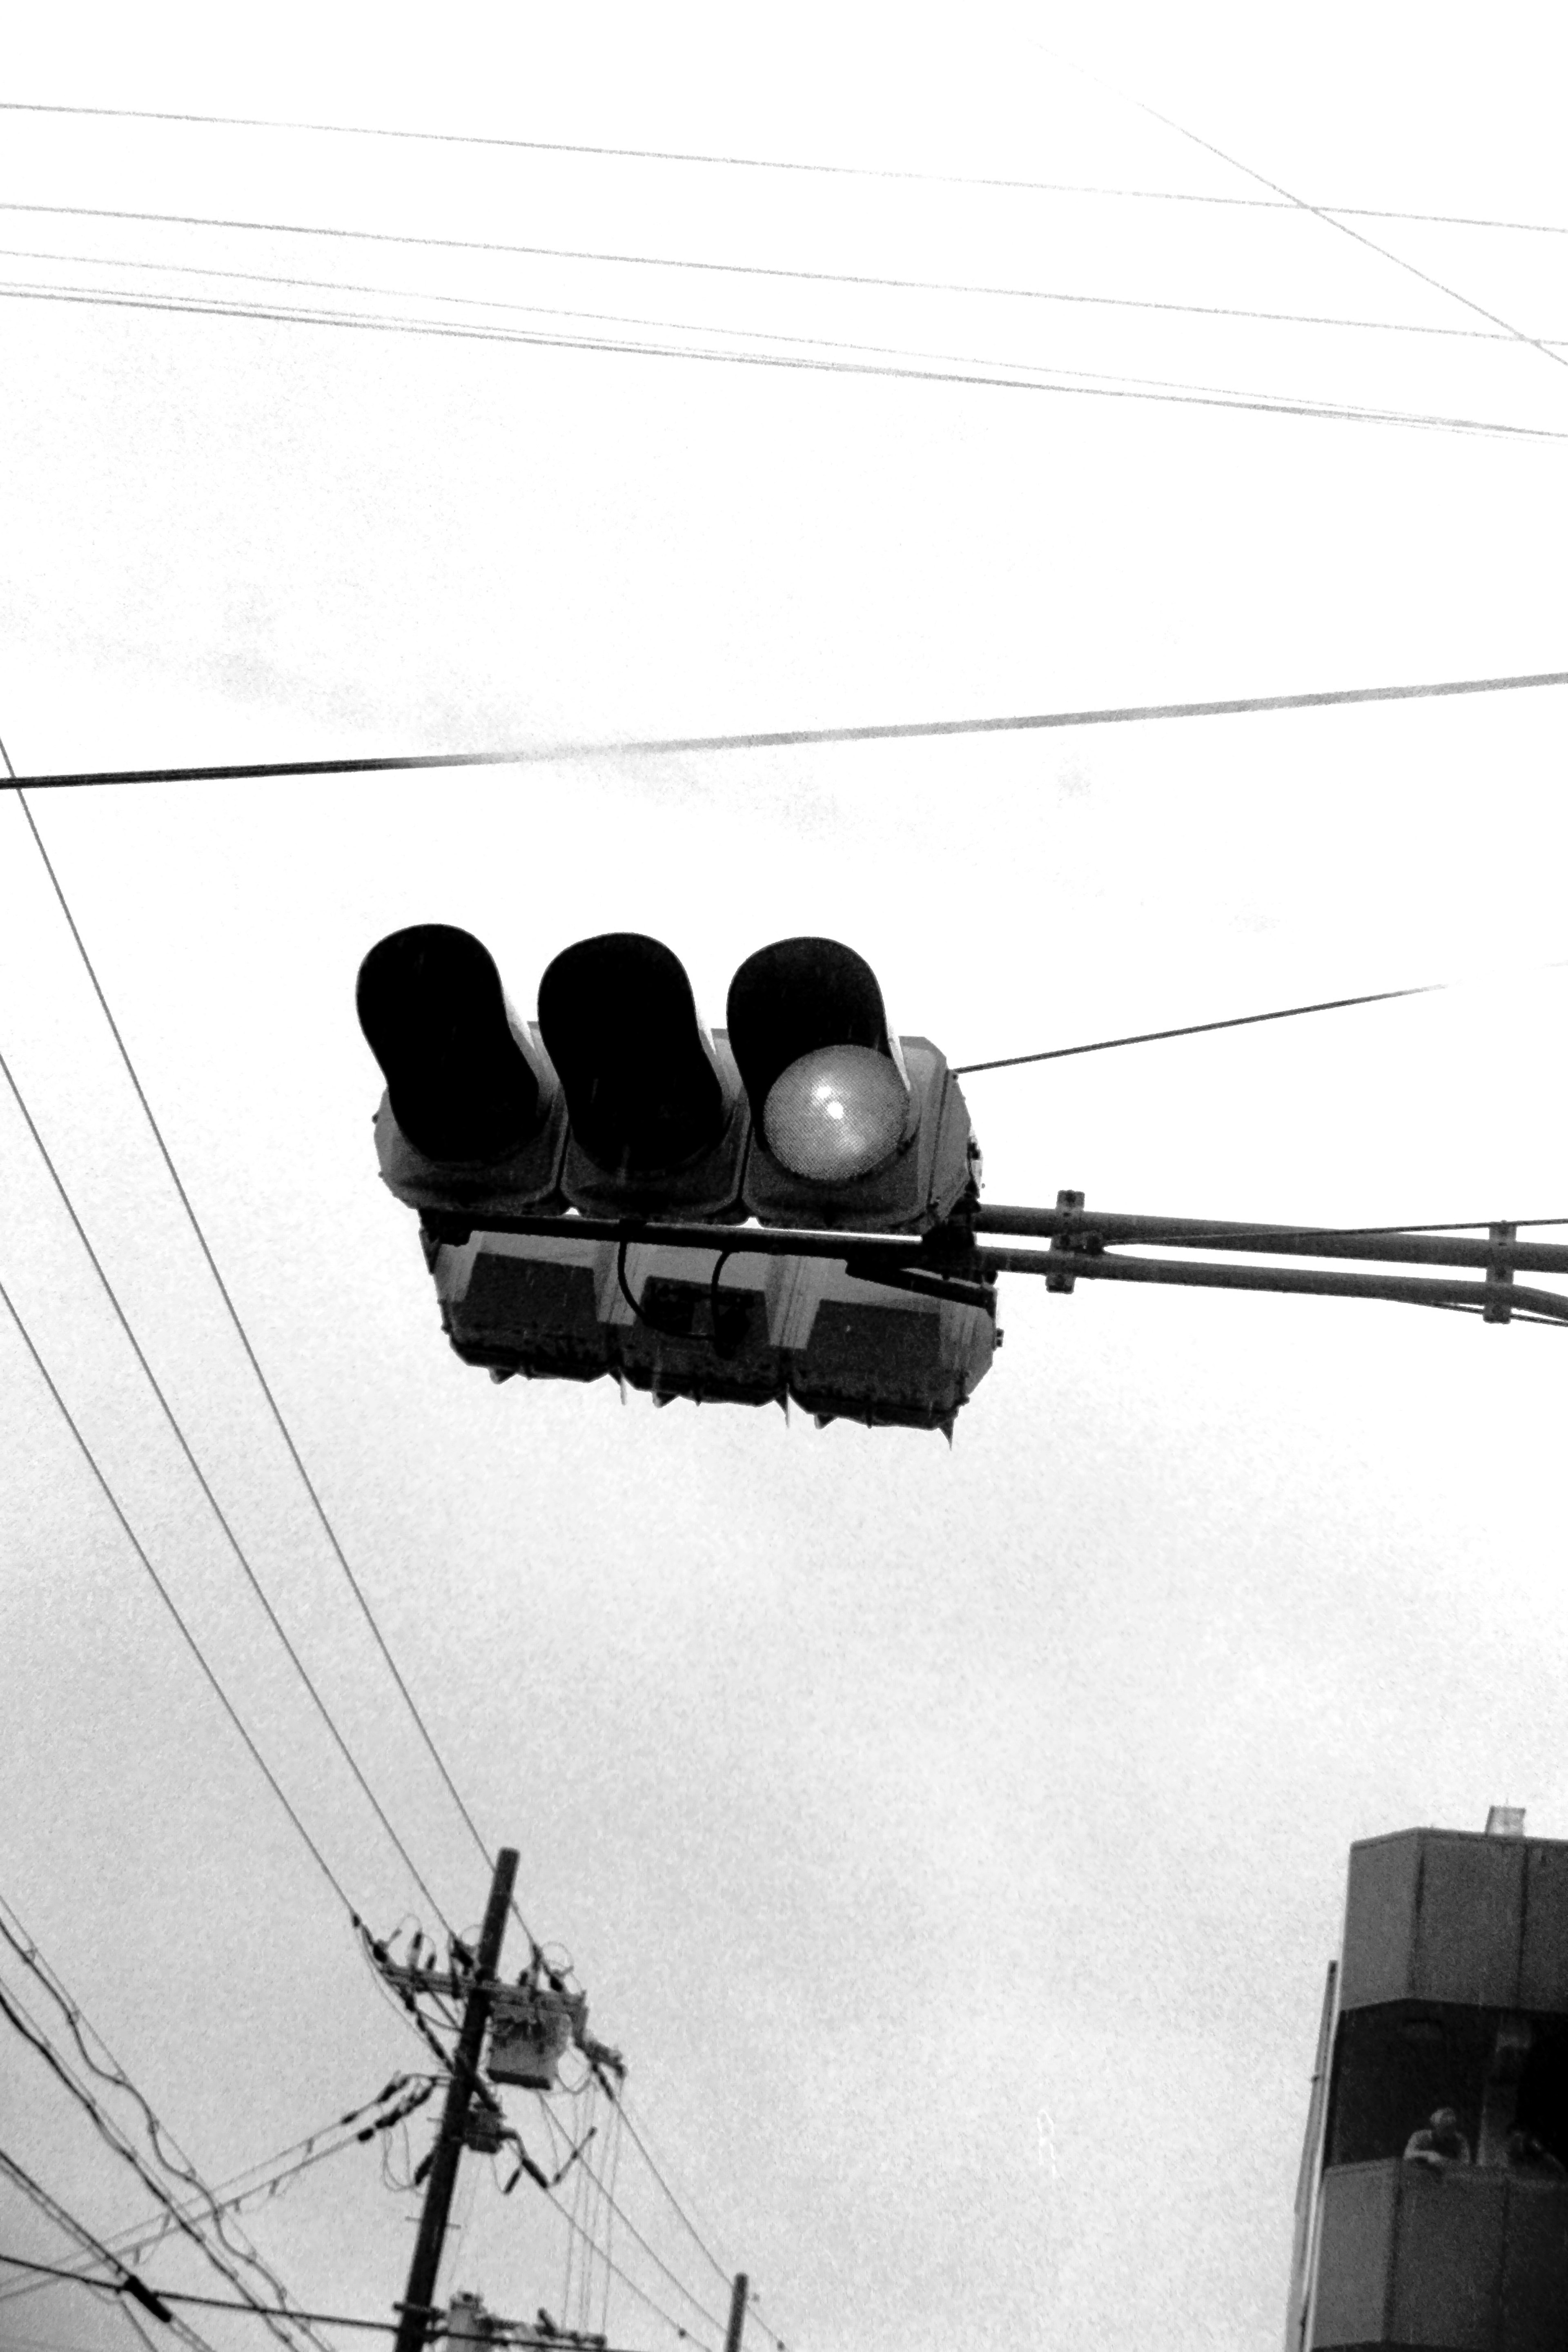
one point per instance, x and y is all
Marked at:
(770, 1330)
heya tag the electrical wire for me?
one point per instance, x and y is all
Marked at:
(299, 2157)
(66, 2222)
(1238, 1021)
(236, 1546)
(632, 2287)
(1200, 1028)
(133, 2243)
(27, 2029)
(1317, 212)
(597, 2184)
(160, 2138)
(690, 263)
(418, 2021)
(265, 1385)
(206, 2301)
(617, 2123)
(785, 738)
(768, 163)
(169, 1602)
(970, 378)
(719, 2271)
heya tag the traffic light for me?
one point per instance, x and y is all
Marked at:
(852, 1126)
(656, 1109)
(619, 1104)
(472, 1117)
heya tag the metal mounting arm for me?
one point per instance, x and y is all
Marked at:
(957, 1261)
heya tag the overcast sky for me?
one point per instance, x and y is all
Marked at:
(953, 1841)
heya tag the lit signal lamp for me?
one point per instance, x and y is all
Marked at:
(852, 1126)
(656, 1113)
(473, 1116)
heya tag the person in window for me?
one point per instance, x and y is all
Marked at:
(1524, 2153)
(1439, 2142)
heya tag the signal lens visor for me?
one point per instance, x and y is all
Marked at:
(836, 1114)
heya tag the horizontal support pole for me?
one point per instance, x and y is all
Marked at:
(744, 1241)
(1380, 1245)
(952, 1259)
(1317, 1282)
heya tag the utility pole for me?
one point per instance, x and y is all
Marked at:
(738, 2294)
(416, 2312)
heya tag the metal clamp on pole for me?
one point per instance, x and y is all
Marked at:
(1499, 1307)
(1064, 1242)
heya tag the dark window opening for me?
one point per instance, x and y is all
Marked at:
(1395, 2063)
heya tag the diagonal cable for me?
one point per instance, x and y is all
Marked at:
(1199, 1028)
(1236, 1020)
(1318, 212)
(167, 2148)
(718, 2268)
(243, 1337)
(111, 2132)
(72, 2228)
(168, 1599)
(236, 1546)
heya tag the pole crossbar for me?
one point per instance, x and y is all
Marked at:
(1068, 1265)
(953, 1253)
(1388, 1246)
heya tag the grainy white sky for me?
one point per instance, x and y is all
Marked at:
(953, 1841)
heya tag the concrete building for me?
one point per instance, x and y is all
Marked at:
(1432, 2210)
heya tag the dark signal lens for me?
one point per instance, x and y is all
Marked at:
(433, 1014)
(619, 1023)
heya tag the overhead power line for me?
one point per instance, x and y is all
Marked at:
(786, 739)
(688, 263)
(296, 1458)
(202, 2302)
(718, 2268)
(203, 2206)
(952, 368)
(169, 1601)
(206, 2206)
(66, 2221)
(1243, 1021)
(1198, 1028)
(225, 1524)
(265, 1385)
(206, 2302)
(629, 2283)
(766, 163)
(115, 2137)
(274, 2174)
(971, 375)
(678, 2283)
(1318, 212)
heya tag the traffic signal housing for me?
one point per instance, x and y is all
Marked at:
(473, 1117)
(656, 1112)
(852, 1126)
(618, 1105)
